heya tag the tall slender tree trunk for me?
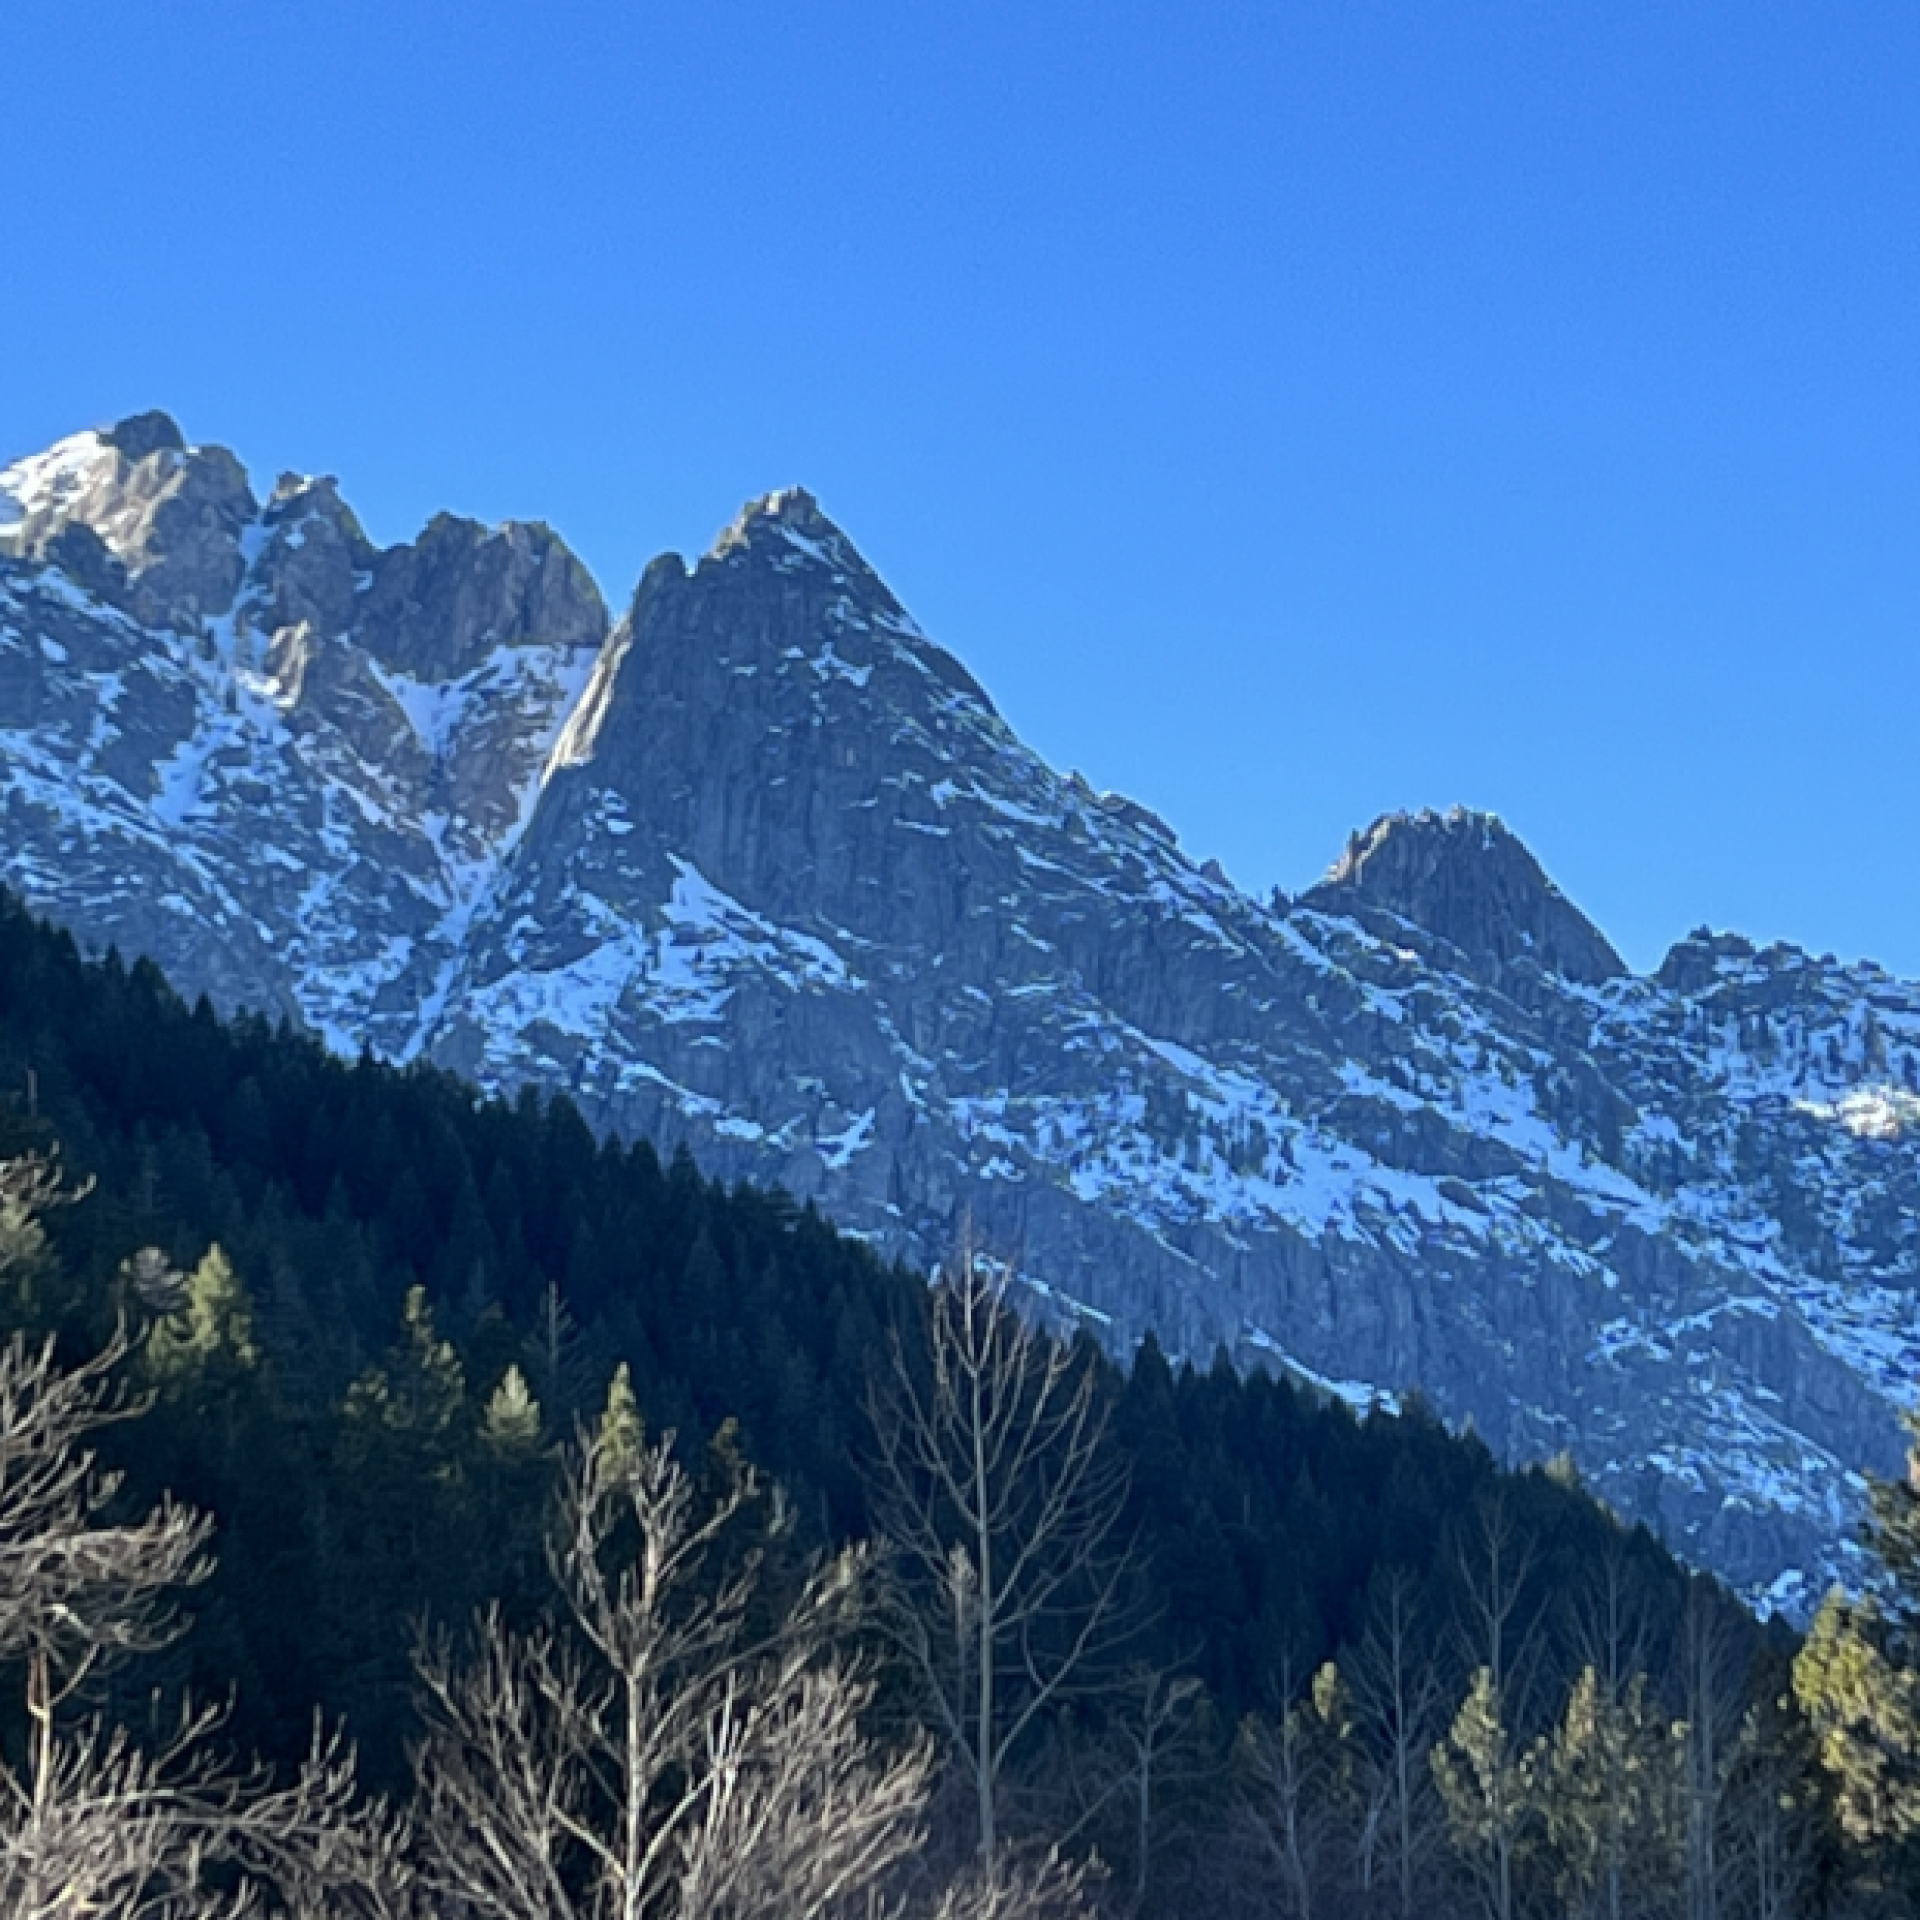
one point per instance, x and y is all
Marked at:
(985, 1770)
(1143, 1829)
(40, 1711)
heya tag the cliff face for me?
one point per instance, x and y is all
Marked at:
(762, 869)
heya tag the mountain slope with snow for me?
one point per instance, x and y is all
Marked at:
(761, 868)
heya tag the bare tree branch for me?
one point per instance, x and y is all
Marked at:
(91, 1823)
(645, 1759)
(994, 1484)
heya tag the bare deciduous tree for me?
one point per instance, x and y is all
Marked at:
(799, 1819)
(328, 1852)
(1398, 1699)
(107, 1827)
(1608, 1774)
(1113, 1775)
(1769, 1852)
(1713, 1693)
(1041, 1886)
(76, 1587)
(645, 1760)
(1291, 1822)
(90, 1821)
(995, 1487)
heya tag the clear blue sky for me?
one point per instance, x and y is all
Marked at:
(1289, 411)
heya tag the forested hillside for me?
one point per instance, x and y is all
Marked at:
(374, 1306)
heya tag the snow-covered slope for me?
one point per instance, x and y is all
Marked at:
(248, 745)
(761, 868)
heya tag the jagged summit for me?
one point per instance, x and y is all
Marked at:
(789, 513)
(172, 534)
(782, 592)
(784, 532)
(793, 507)
(438, 606)
(166, 517)
(143, 433)
(781, 634)
(1466, 876)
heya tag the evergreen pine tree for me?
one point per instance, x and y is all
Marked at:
(1857, 1680)
(212, 1329)
(1608, 1784)
(1487, 1788)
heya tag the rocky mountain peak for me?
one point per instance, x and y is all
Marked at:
(1695, 963)
(143, 433)
(313, 562)
(788, 521)
(169, 514)
(782, 608)
(795, 507)
(791, 507)
(439, 606)
(1465, 876)
(301, 502)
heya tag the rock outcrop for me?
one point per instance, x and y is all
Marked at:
(168, 516)
(1464, 878)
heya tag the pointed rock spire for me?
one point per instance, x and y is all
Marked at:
(1467, 877)
(143, 433)
(310, 569)
(789, 522)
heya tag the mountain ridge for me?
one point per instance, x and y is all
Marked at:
(760, 867)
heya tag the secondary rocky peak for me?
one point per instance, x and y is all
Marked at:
(440, 605)
(302, 502)
(1695, 963)
(314, 562)
(143, 433)
(1467, 877)
(170, 515)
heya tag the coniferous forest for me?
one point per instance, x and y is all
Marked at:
(410, 1505)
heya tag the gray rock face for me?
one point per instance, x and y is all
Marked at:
(1464, 877)
(436, 608)
(170, 516)
(762, 869)
(312, 566)
(146, 433)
